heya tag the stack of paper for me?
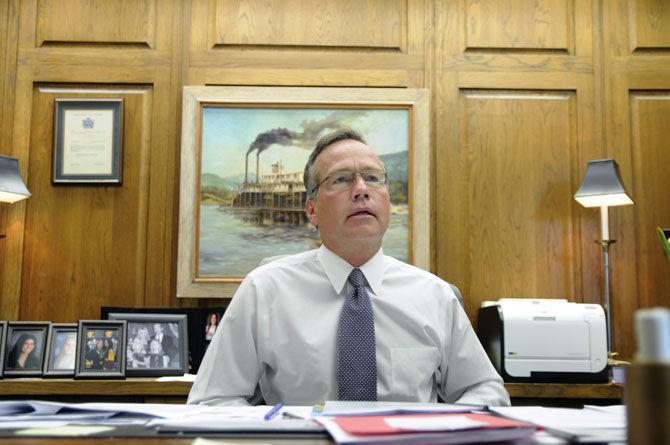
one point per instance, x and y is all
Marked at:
(591, 424)
(425, 428)
(379, 422)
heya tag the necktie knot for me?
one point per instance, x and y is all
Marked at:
(356, 278)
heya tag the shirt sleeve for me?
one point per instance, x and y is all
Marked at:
(467, 375)
(230, 371)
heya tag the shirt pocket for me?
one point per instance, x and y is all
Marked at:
(412, 371)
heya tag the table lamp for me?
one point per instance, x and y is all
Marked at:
(602, 188)
(12, 188)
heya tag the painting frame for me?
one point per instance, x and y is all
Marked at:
(416, 101)
(27, 326)
(79, 153)
(3, 334)
(50, 359)
(86, 372)
(154, 318)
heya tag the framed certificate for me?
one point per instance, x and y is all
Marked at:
(88, 139)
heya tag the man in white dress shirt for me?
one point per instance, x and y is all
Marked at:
(278, 339)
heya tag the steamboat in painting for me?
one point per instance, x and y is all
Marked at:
(276, 199)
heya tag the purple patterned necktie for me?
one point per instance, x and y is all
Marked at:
(357, 362)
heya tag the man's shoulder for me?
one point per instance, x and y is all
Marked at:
(401, 272)
(279, 263)
(395, 266)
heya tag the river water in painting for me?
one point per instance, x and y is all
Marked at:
(230, 246)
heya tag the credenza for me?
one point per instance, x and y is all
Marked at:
(149, 390)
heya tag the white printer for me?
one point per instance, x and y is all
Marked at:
(544, 340)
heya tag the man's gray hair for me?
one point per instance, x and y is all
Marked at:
(309, 176)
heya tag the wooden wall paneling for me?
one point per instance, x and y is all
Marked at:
(127, 38)
(649, 118)
(535, 69)
(520, 193)
(96, 21)
(497, 244)
(8, 29)
(519, 24)
(648, 23)
(86, 243)
(342, 24)
(164, 170)
(639, 277)
(15, 226)
(313, 60)
(636, 74)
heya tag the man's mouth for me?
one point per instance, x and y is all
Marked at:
(362, 212)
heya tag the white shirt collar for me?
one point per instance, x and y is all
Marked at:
(338, 270)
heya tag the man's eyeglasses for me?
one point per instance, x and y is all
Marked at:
(343, 179)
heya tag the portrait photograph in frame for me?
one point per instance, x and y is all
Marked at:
(25, 346)
(61, 354)
(101, 346)
(88, 141)
(156, 345)
(3, 333)
(243, 154)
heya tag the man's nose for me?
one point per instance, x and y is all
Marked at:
(359, 189)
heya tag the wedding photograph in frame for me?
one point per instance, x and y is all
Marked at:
(101, 349)
(61, 353)
(156, 345)
(88, 141)
(25, 346)
(243, 154)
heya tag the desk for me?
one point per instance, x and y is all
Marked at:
(148, 390)
(136, 389)
(155, 441)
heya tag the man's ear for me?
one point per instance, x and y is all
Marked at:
(310, 209)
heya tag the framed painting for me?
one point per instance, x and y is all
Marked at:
(243, 153)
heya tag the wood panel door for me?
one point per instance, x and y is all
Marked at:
(85, 245)
(516, 121)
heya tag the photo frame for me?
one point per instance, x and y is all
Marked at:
(229, 195)
(101, 346)
(61, 354)
(25, 346)
(156, 345)
(3, 334)
(88, 141)
(211, 319)
(194, 321)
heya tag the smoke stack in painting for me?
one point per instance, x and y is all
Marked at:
(280, 136)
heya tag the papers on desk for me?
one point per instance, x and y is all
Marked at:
(339, 408)
(425, 428)
(239, 420)
(590, 424)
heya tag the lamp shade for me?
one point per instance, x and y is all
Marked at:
(12, 188)
(602, 185)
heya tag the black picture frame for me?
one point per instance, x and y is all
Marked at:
(3, 333)
(205, 326)
(100, 337)
(61, 350)
(88, 141)
(193, 315)
(22, 332)
(146, 355)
